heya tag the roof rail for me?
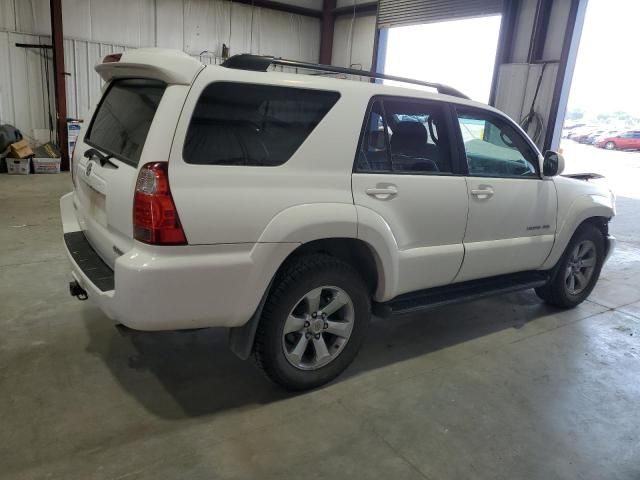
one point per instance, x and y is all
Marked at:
(260, 63)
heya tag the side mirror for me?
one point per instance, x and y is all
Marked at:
(553, 164)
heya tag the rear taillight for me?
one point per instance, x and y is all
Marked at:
(155, 218)
(112, 58)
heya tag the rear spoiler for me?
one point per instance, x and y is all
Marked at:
(584, 176)
(170, 66)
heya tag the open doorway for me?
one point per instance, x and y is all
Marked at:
(460, 53)
(601, 131)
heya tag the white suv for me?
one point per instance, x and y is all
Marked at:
(286, 206)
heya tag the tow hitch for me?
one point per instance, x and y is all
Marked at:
(77, 291)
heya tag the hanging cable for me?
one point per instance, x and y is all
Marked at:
(353, 19)
(533, 117)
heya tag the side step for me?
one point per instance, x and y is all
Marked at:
(460, 292)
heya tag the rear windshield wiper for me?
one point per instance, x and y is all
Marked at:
(92, 152)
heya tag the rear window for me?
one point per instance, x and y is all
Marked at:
(123, 118)
(253, 125)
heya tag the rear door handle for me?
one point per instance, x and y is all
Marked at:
(482, 192)
(382, 192)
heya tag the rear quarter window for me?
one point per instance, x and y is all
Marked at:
(253, 125)
(123, 118)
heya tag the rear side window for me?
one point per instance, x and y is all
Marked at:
(123, 118)
(253, 125)
(405, 136)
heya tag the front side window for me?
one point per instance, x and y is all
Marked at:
(494, 148)
(253, 125)
(123, 118)
(405, 136)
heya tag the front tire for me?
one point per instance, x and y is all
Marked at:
(577, 271)
(313, 324)
(610, 146)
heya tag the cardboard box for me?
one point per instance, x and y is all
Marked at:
(20, 149)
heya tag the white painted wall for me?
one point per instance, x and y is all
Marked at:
(517, 80)
(93, 28)
(353, 40)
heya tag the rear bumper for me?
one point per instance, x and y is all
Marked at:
(181, 287)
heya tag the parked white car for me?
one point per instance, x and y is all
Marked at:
(286, 206)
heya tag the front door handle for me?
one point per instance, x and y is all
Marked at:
(382, 192)
(481, 193)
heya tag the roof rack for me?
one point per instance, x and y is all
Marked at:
(260, 63)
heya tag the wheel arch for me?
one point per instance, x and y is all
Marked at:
(597, 215)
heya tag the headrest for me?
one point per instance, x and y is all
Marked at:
(411, 129)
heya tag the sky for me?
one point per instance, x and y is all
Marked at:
(607, 74)
(458, 53)
(606, 77)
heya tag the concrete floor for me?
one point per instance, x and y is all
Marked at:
(501, 388)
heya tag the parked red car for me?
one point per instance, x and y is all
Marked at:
(624, 141)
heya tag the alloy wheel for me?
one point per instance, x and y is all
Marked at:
(580, 268)
(318, 328)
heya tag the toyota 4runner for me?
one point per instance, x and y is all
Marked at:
(286, 207)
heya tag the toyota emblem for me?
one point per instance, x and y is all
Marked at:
(89, 167)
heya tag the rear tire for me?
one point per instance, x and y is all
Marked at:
(313, 324)
(577, 271)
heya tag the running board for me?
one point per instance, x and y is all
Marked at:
(460, 292)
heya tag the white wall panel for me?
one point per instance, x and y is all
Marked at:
(353, 45)
(169, 24)
(23, 99)
(127, 22)
(32, 16)
(206, 25)
(7, 15)
(556, 29)
(76, 15)
(6, 86)
(524, 28)
(95, 28)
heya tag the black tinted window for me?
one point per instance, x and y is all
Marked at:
(405, 136)
(373, 155)
(124, 116)
(417, 137)
(258, 125)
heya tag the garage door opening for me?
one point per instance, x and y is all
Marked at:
(460, 53)
(601, 131)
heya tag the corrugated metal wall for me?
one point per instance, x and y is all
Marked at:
(94, 28)
(353, 40)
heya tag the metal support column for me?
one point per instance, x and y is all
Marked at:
(326, 34)
(573, 32)
(60, 90)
